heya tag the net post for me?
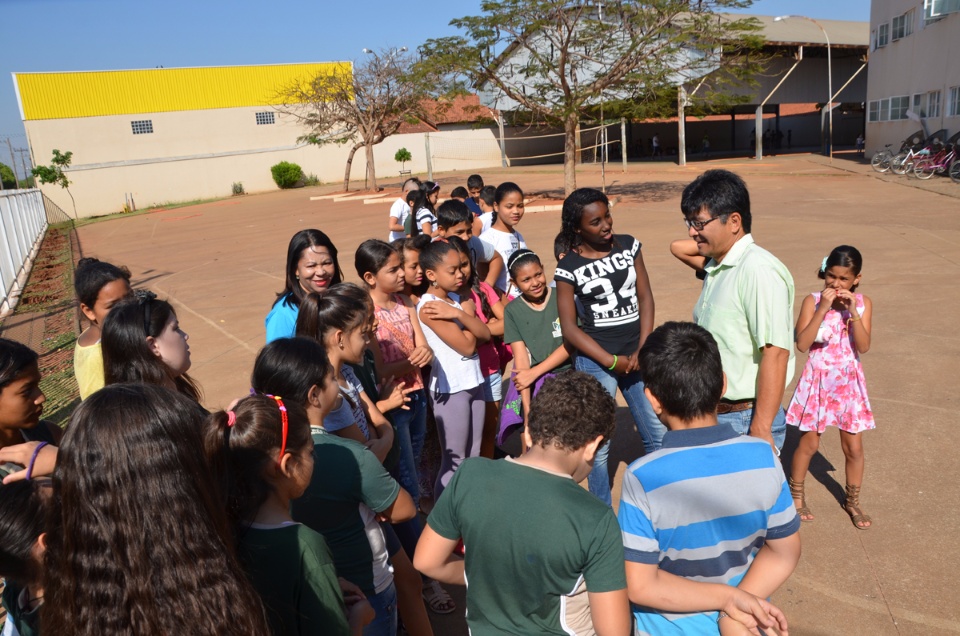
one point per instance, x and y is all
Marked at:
(426, 143)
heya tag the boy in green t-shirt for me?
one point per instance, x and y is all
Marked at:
(541, 553)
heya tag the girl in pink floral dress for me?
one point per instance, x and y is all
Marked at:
(834, 325)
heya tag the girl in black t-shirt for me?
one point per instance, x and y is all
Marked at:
(605, 272)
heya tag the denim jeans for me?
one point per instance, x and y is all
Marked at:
(385, 621)
(740, 422)
(411, 425)
(648, 425)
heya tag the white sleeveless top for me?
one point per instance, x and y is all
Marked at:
(450, 372)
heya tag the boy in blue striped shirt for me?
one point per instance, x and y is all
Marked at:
(709, 528)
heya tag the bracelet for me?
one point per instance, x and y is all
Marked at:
(852, 319)
(722, 616)
(33, 459)
(614, 365)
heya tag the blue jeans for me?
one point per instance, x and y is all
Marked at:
(648, 425)
(411, 428)
(740, 422)
(385, 621)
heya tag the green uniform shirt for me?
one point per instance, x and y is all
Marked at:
(292, 569)
(348, 482)
(27, 623)
(531, 539)
(539, 330)
(747, 303)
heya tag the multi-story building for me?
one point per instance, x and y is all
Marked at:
(913, 79)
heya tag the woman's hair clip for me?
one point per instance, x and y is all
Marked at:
(231, 419)
(144, 295)
(823, 265)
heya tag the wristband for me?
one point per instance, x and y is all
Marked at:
(722, 616)
(33, 459)
(614, 365)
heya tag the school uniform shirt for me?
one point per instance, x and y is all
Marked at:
(348, 488)
(20, 621)
(539, 329)
(399, 211)
(350, 409)
(506, 243)
(486, 221)
(292, 569)
(607, 289)
(480, 251)
(473, 206)
(528, 569)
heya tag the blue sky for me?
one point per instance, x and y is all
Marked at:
(75, 35)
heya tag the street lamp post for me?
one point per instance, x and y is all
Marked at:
(829, 75)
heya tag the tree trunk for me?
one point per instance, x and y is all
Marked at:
(371, 169)
(570, 153)
(346, 172)
(73, 201)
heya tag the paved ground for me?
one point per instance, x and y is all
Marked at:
(221, 264)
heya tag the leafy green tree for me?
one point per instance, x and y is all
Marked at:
(7, 177)
(403, 156)
(554, 61)
(361, 108)
(54, 173)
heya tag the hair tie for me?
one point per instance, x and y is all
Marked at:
(823, 264)
(33, 459)
(231, 419)
(284, 422)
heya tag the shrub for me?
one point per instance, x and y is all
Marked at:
(7, 178)
(403, 156)
(238, 188)
(311, 180)
(286, 174)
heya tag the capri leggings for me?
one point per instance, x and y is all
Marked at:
(460, 427)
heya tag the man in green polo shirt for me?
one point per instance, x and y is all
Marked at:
(542, 555)
(746, 303)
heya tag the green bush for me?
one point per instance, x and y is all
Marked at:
(238, 188)
(7, 177)
(286, 174)
(311, 180)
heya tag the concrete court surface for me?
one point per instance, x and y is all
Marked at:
(221, 265)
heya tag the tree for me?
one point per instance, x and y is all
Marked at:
(54, 174)
(403, 156)
(361, 109)
(7, 178)
(558, 60)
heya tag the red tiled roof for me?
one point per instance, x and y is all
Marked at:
(463, 109)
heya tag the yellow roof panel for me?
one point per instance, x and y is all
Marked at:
(98, 93)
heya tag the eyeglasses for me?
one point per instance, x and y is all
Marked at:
(699, 225)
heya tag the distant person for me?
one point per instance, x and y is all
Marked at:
(705, 145)
(655, 146)
(554, 563)
(474, 186)
(488, 197)
(400, 210)
(459, 193)
(834, 326)
(708, 527)
(508, 208)
(860, 144)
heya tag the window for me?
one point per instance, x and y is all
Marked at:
(933, 104)
(142, 126)
(883, 35)
(884, 110)
(899, 106)
(953, 102)
(935, 9)
(265, 118)
(874, 111)
(917, 107)
(903, 25)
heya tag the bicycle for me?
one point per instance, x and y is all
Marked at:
(881, 159)
(926, 168)
(954, 170)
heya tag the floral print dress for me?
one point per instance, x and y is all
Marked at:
(832, 390)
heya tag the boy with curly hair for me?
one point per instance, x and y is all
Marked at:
(547, 564)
